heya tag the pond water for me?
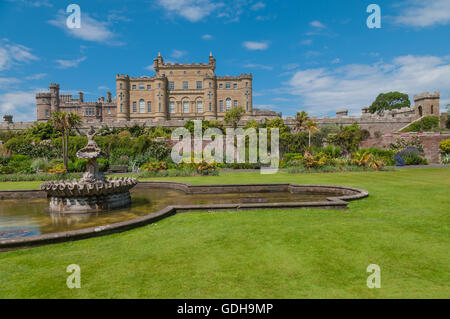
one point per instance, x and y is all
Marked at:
(30, 217)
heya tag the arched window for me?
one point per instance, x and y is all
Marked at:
(420, 111)
(186, 107)
(141, 106)
(171, 107)
(199, 107)
(228, 104)
(432, 109)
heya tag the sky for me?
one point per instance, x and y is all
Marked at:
(319, 56)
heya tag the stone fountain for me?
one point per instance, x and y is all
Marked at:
(93, 192)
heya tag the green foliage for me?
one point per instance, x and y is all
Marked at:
(43, 131)
(154, 166)
(389, 101)
(331, 151)
(78, 165)
(368, 160)
(386, 155)
(233, 116)
(445, 158)
(426, 124)
(36, 177)
(444, 146)
(348, 138)
(33, 147)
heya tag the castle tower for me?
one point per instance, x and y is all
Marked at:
(158, 62)
(426, 104)
(123, 97)
(54, 97)
(161, 98)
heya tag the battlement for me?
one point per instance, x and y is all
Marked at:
(43, 95)
(427, 95)
(243, 76)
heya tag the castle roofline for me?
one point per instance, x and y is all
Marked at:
(427, 95)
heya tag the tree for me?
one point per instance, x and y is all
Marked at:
(389, 101)
(233, 116)
(65, 122)
(300, 120)
(311, 126)
(348, 138)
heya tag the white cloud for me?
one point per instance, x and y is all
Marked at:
(21, 104)
(11, 54)
(36, 76)
(258, 6)
(192, 10)
(207, 37)
(317, 24)
(64, 64)
(7, 82)
(253, 45)
(177, 54)
(259, 66)
(425, 13)
(306, 42)
(335, 61)
(355, 85)
(91, 29)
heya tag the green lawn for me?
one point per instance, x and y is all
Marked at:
(403, 227)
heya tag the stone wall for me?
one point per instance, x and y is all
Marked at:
(430, 142)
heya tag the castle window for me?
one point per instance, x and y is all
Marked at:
(159, 107)
(210, 95)
(246, 84)
(121, 96)
(141, 87)
(120, 86)
(432, 109)
(170, 72)
(235, 103)
(141, 106)
(227, 85)
(210, 85)
(199, 107)
(247, 106)
(185, 107)
(184, 72)
(198, 72)
(159, 85)
(220, 86)
(185, 85)
(235, 86)
(121, 108)
(199, 84)
(134, 107)
(149, 87)
(109, 110)
(221, 105)
(149, 107)
(210, 106)
(171, 85)
(246, 95)
(172, 107)
(228, 104)
(134, 87)
(47, 113)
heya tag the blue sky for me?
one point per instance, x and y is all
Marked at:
(318, 56)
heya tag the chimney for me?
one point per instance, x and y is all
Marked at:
(81, 96)
(108, 97)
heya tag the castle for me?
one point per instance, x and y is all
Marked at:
(175, 92)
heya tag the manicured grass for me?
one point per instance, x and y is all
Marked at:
(403, 227)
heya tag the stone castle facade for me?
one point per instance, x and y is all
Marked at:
(175, 92)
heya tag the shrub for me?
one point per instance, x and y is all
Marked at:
(426, 124)
(37, 177)
(103, 164)
(58, 169)
(366, 159)
(154, 167)
(444, 146)
(40, 165)
(445, 158)
(386, 155)
(409, 156)
(314, 161)
(401, 144)
(331, 151)
(78, 165)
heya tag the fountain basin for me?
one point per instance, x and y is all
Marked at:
(153, 201)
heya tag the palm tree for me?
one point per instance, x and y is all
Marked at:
(65, 122)
(311, 126)
(300, 119)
